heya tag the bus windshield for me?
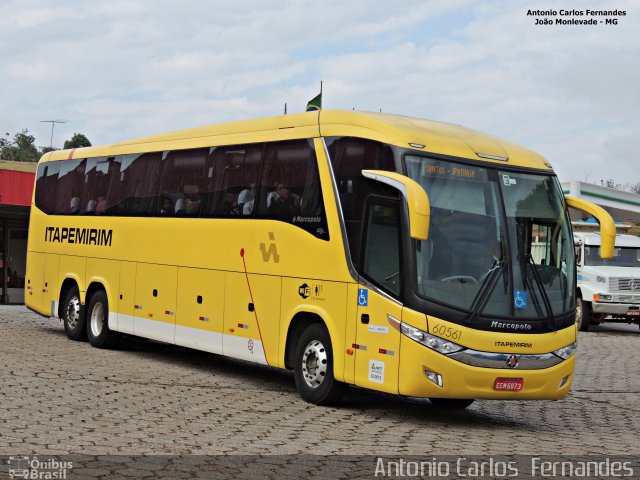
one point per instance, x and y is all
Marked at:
(499, 245)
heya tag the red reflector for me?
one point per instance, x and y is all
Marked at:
(634, 313)
(509, 384)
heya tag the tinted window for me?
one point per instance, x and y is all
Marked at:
(46, 185)
(182, 183)
(133, 184)
(69, 187)
(96, 185)
(290, 187)
(232, 176)
(381, 251)
(349, 156)
(208, 182)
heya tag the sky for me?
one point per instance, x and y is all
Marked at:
(121, 69)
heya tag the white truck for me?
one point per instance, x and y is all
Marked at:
(607, 290)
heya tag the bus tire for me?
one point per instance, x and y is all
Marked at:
(583, 314)
(73, 317)
(451, 403)
(313, 367)
(98, 322)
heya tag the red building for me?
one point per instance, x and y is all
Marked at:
(16, 189)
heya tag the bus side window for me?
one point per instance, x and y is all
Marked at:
(349, 156)
(70, 186)
(231, 177)
(95, 186)
(381, 244)
(133, 184)
(182, 182)
(47, 186)
(290, 188)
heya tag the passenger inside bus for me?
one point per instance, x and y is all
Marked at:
(284, 203)
(166, 206)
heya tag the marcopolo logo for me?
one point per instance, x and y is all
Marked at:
(79, 236)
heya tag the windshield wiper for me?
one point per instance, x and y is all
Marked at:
(488, 284)
(551, 321)
(487, 287)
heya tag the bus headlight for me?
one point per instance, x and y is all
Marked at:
(430, 341)
(566, 352)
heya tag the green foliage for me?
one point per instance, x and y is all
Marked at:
(20, 149)
(77, 141)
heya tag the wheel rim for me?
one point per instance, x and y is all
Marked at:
(97, 319)
(73, 312)
(314, 363)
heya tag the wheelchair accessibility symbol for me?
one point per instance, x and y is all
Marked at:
(363, 297)
(520, 299)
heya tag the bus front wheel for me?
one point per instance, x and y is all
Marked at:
(73, 316)
(313, 368)
(100, 336)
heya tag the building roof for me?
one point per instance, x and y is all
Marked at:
(623, 206)
(419, 134)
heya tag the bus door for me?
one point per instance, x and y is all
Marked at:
(377, 342)
(377, 347)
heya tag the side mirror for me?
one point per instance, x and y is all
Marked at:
(607, 226)
(417, 200)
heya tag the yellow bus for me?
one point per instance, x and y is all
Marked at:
(364, 249)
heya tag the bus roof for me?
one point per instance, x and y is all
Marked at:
(412, 133)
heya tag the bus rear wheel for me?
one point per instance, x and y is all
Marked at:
(73, 316)
(100, 336)
(451, 403)
(313, 367)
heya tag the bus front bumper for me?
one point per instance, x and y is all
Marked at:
(427, 373)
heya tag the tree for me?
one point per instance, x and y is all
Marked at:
(610, 183)
(633, 187)
(627, 187)
(20, 149)
(77, 141)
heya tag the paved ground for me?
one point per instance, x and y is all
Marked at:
(59, 397)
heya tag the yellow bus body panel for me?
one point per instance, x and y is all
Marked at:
(235, 286)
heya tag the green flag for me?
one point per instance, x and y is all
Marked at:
(315, 103)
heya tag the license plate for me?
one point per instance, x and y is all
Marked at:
(509, 384)
(634, 313)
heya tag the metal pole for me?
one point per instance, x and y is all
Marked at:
(5, 256)
(53, 124)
